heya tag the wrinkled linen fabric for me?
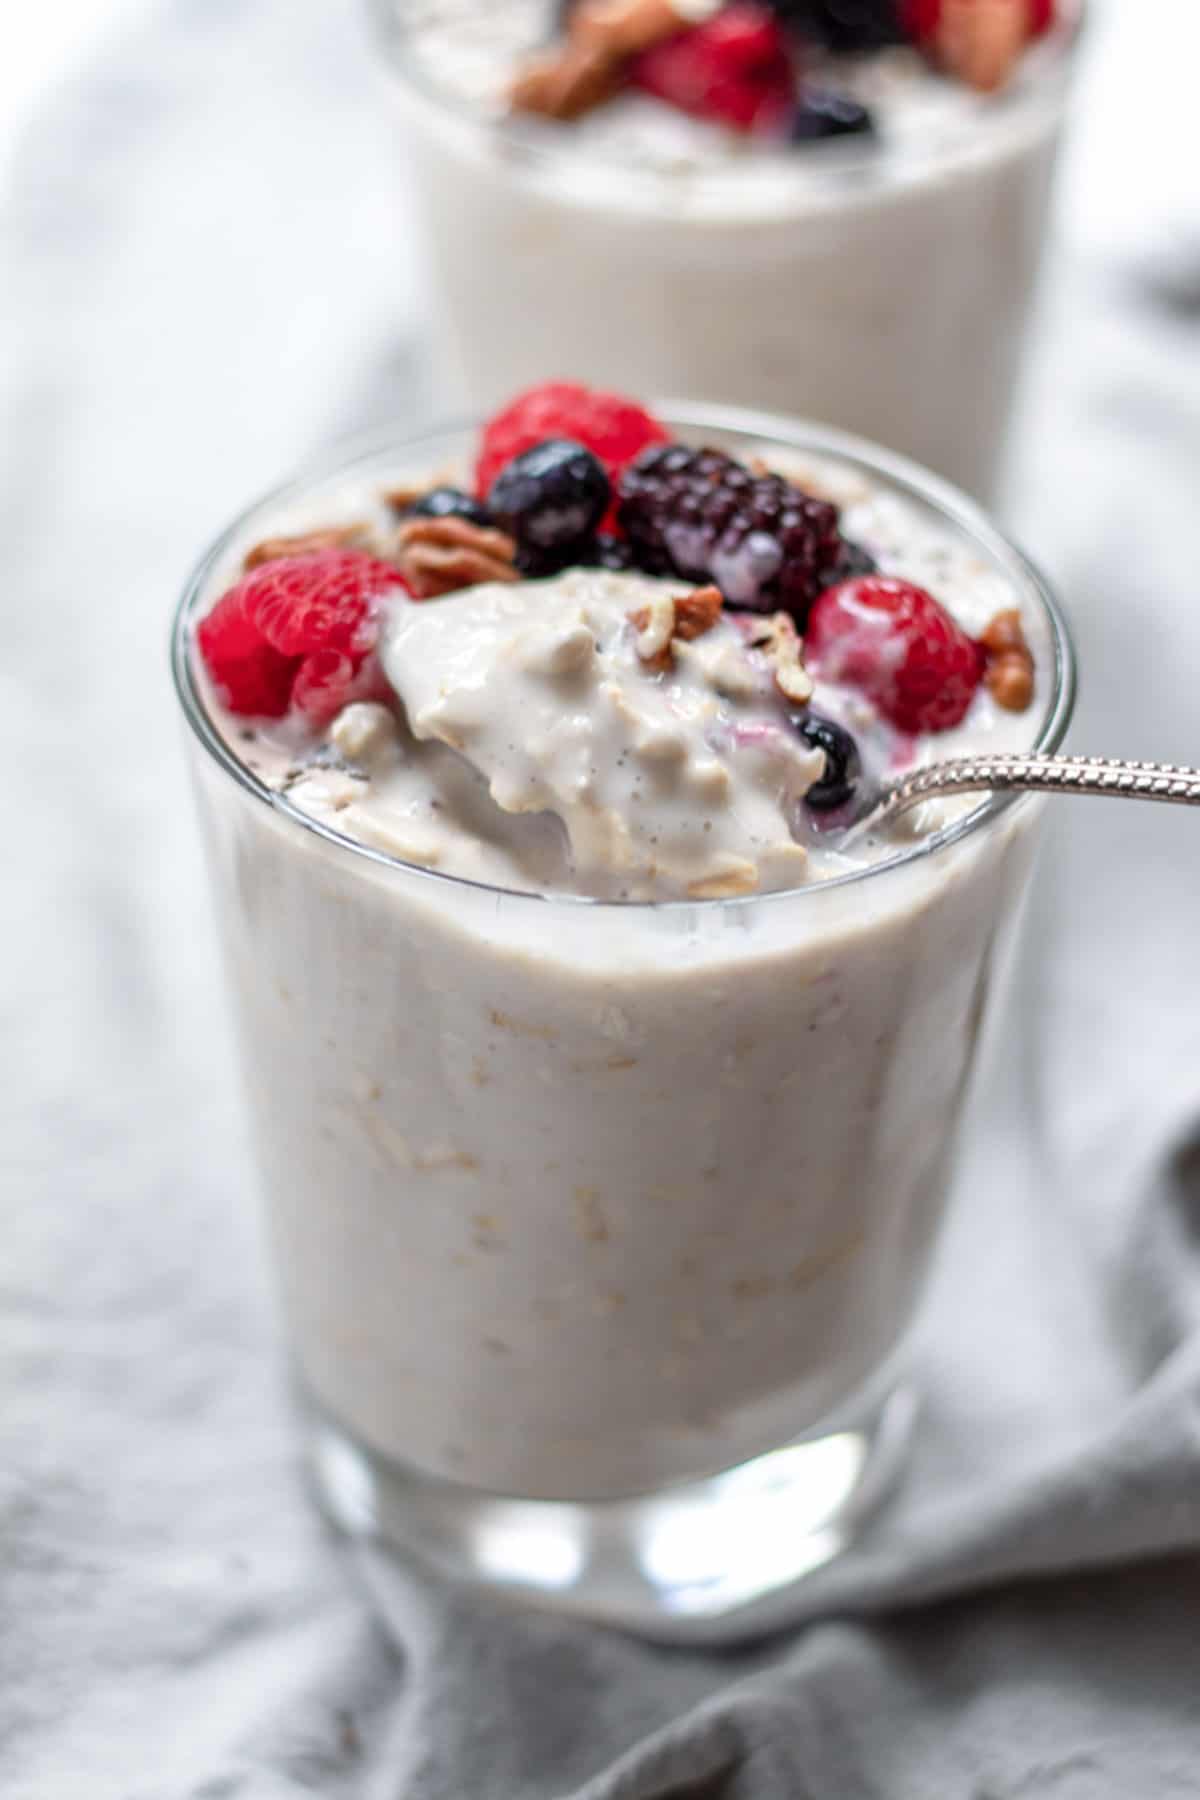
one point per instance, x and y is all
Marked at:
(207, 271)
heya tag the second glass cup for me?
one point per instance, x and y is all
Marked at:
(598, 1225)
(882, 287)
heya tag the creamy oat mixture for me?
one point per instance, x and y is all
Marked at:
(569, 1201)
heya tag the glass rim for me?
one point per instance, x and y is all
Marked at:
(808, 437)
(539, 145)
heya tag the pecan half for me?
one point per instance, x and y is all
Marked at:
(565, 83)
(588, 68)
(1009, 671)
(981, 41)
(307, 543)
(776, 636)
(437, 556)
(624, 28)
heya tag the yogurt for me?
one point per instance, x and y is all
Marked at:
(883, 287)
(575, 1195)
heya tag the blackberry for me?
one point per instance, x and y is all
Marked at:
(842, 766)
(604, 551)
(450, 503)
(701, 515)
(823, 113)
(551, 498)
(844, 25)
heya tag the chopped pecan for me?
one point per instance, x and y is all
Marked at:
(780, 643)
(566, 82)
(307, 543)
(683, 616)
(697, 612)
(1009, 671)
(402, 499)
(436, 556)
(981, 41)
(655, 626)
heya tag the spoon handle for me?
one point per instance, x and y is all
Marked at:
(1042, 774)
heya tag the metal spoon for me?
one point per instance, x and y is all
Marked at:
(1175, 785)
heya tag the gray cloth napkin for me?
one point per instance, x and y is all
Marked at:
(205, 272)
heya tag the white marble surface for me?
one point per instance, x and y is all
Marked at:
(204, 274)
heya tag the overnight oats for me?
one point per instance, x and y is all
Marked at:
(604, 1077)
(832, 206)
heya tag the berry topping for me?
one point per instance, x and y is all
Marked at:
(298, 632)
(449, 503)
(853, 561)
(607, 551)
(604, 551)
(329, 680)
(894, 643)
(821, 113)
(701, 515)
(980, 44)
(735, 69)
(842, 766)
(844, 24)
(920, 19)
(551, 498)
(317, 602)
(251, 678)
(611, 427)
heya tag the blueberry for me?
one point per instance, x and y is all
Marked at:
(609, 552)
(844, 25)
(551, 497)
(604, 551)
(450, 503)
(821, 113)
(853, 561)
(842, 766)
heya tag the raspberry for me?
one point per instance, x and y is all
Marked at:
(327, 680)
(893, 642)
(611, 427)
(736, 69)
(321, 601)
(250, 677)
(298, 631)
(701, 515)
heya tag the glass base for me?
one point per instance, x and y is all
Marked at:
(707, 1562)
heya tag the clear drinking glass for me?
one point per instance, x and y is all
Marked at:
(599, 1225)
(884, 288)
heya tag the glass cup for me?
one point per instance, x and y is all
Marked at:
(599, 1225)
(882, 287)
